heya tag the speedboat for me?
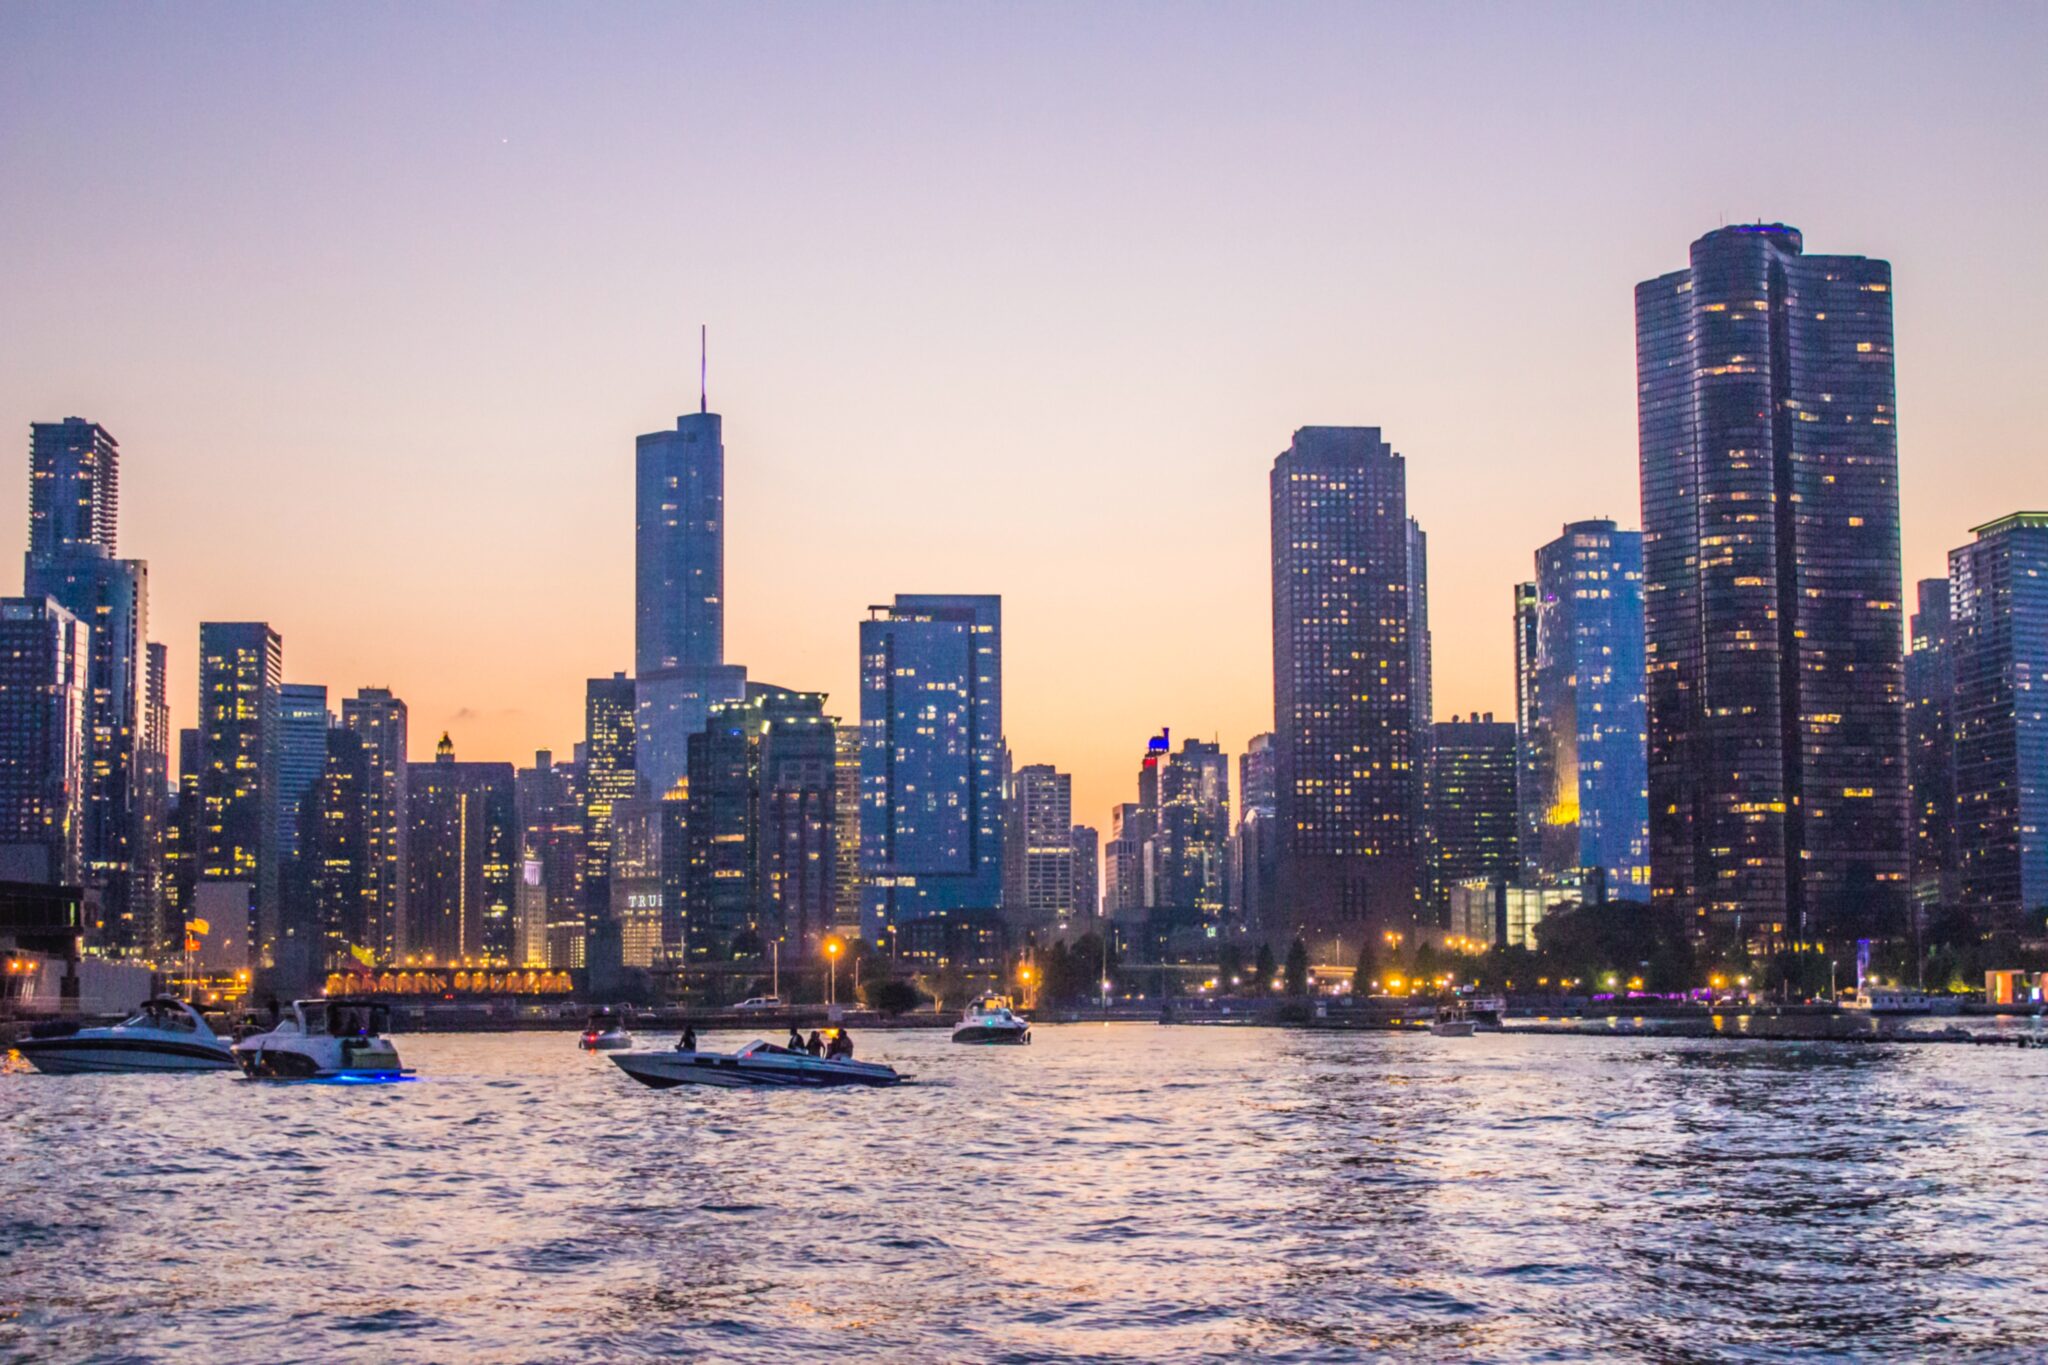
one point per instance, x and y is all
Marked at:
(162, 1035)
(604, 1032)
(1453, 1022)
(992, 1020)
(329, 1039)
(757, 1064)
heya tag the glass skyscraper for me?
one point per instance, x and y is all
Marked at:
(303, 720)
(1771, 585)
(1471, 804)
(1998, 588)
(1930, 746)
(1584, 798)
(679, 602)
(378, 719)
(1344, 690)
(241, 664)
(44, 671)
(931, 716)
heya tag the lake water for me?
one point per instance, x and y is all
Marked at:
(1121, 1192)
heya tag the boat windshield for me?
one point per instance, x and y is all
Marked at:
(159, 1016)
(356, 1019)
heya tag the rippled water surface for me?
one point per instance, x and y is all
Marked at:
(1109, 1193)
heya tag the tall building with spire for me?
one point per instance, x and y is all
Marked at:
(679, 599)
(1771, 587)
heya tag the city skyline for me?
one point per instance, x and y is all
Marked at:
(852, 412)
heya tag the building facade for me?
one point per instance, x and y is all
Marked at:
(463, 861)
(1344, 690)
(1584, 783)
(45, 666)
(241, 669)
(1998, 588)
(1038, 846)
(1471, 803)
(1930, 748)
(378, 719)
(1771, 585)
(931, 717)
(610, 742)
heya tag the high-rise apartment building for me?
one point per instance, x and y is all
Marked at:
(378, 718)
(1584, 784)
(848, 894)
(550, 812)
(608, 777)
(931, 716)
(1344, 660)
(303, 723)
(679, 635)
(1038, 848)
(241, 668)
(74, 488)
(1255, 848)
(1086, 845)
(1771, 585)
(463, 859)
(45, 663)
(1930, 747)
(1999, 609)
(153, 810)
(1189, 837)
(334, 854)
(1471, 804)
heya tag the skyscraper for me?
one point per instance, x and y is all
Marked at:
(241, 666)
(1930, 747)
(1771, 584)
(44, 683)
(608, 777)
(1038, 846)
(1087, 875)
(1584, 783)
(1344, 688)
(846, 815)
(679, 553)
(334, 852)
(74, 492)
(463, 859)
(378, 718)
(1471, 803)
(303, 721)
(931, 713)
(153, 810)
(1255, 852)
(1999, 606)
(1187, 867)
(550, 814)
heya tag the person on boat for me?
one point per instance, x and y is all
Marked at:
(688, 1042)
(796, 1040)
(816, 1045)
(842, 1047)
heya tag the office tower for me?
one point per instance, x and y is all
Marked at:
(1344, 689)
(637, 907)
(45, 667)
(463, 859)
(241, 667)
(1086, 845)
(181, 835)
(679, 555)
(379, 720)
(931, 712)
(74, 501)
(1038, 848)
(335, 857)
(763, 828)
(1579, 650)
(1999, 609)
(153, 810)
(1471, 803)
(303, 722)
(1777, 768)
(1123, 862)
(846, 815)
(550, 812)
(1420, 652)
(1930, 747)
(1255, 850)
(608, 777)
(1186, 864)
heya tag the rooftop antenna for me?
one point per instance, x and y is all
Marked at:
(703, 368)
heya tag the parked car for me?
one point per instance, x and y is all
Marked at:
(759, 1004)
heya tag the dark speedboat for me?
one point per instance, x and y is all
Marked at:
(758, 1064)
(992, 1020)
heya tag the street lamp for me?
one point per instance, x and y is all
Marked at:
(832, 958)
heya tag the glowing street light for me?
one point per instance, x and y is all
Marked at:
(832, 950)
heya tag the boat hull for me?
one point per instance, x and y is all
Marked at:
(988, 1034)
(76, 1056)
(284, 1063)
(666, 1070)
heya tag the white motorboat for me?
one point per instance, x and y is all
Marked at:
(992, 1019)
(604, 1031)
(162, 1035)
(330, 1039)
(1893, 1000)
(758, 1064)
(1452, 1021)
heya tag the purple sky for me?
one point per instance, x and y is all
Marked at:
(1018, 299)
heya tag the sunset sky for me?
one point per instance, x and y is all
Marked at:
(1019, 299)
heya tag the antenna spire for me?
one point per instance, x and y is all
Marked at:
(703, 368)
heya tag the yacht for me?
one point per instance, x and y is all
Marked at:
(162, 1035)
(1452, 1021)
(327, 1039)
(604, 1031)
(992, 1019)
(757, 1065)
(1897, 1000)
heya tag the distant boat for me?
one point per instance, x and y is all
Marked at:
(1895, 1000)
(162, 1035)
(1453, 1022)
(992, 1020)
(604, 1032)
(758, 1065)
